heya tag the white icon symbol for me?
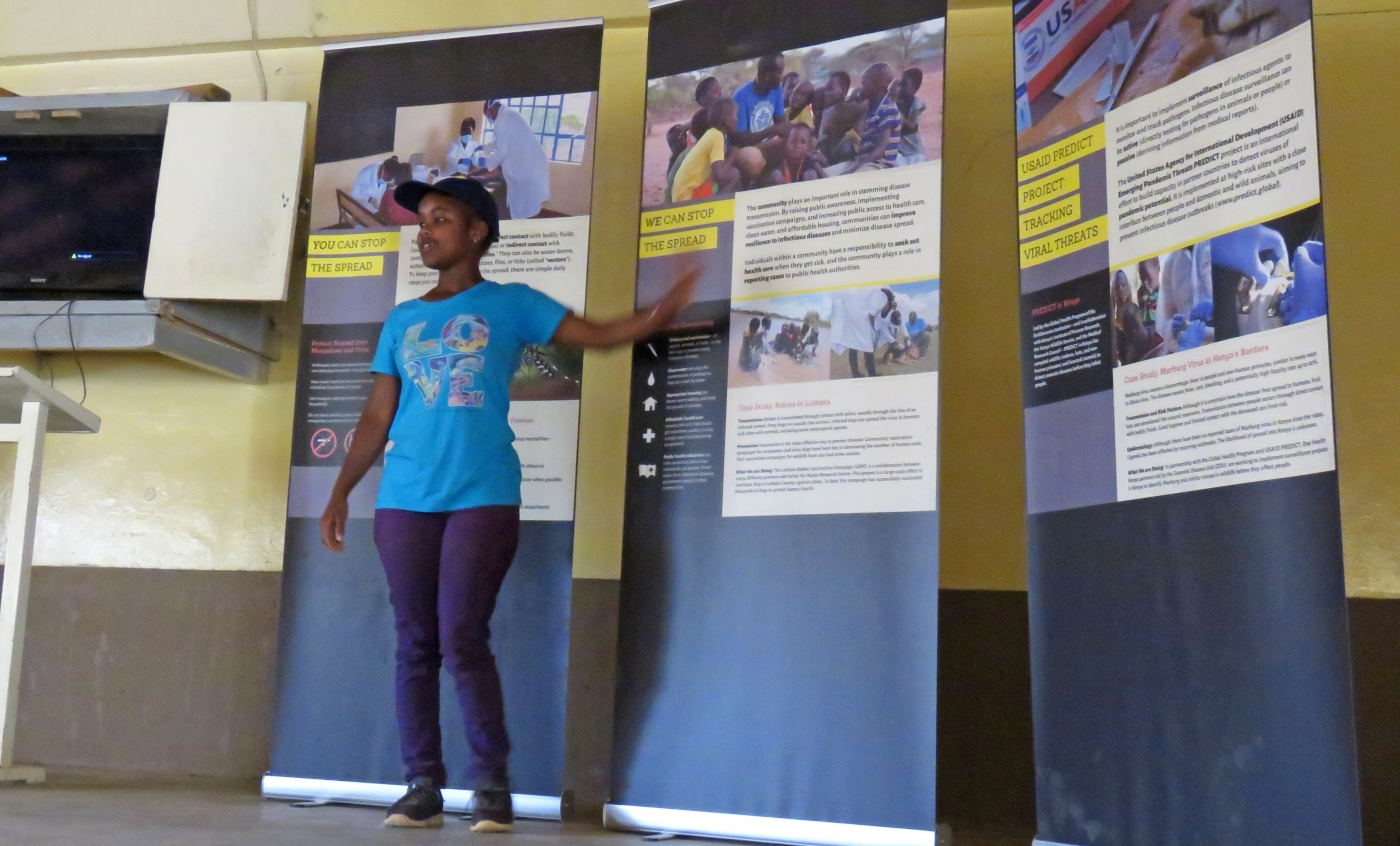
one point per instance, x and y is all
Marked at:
(649, 404)
(646, 470)
(651, 378)
(648, 436)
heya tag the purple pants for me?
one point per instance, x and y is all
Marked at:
(444, 573)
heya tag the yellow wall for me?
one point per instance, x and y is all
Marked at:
(982, 484)
(190, 469)
(215, 453)
(1358, 80)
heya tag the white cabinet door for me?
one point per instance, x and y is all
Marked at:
(226, 208)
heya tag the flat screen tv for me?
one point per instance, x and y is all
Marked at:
(75, 214)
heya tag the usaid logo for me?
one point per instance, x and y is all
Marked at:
(1033, 49)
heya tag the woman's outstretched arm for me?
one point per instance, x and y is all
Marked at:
(578, 331)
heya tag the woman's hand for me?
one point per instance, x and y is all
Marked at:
(371, 435)
(678, 297)
(333, 523)
(1245, 250)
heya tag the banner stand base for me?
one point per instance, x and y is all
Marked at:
(384, 795)
(761, 829)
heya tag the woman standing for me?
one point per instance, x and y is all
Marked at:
(447, 518)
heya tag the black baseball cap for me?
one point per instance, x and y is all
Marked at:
(464, 188)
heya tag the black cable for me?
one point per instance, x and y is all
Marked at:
(39, 354)
(40, 324)
(72, 343)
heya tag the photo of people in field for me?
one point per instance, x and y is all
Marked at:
(1251, 280)
(1078, 60)
(857, 104)
(856, 333)
(534, 154)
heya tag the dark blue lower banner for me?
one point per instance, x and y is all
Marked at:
(335, 706)
(1190, 674)
(783, 667)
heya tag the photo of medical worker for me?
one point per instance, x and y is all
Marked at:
(534, 154)
(1080, 60)
(1243, 282)
(857, 333)
(864, 103)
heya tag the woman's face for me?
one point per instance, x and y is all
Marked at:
(1122, 291)
(449, 231)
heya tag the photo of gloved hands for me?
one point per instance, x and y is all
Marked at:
(1196, 330)
(1306, 298)
(1276, 272)
(1243, 282)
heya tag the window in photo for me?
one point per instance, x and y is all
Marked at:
(559, 122)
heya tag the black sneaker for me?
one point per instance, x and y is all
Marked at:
(491, 807)
(420, 807)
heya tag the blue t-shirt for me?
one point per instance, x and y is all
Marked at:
(450, 443)
(917, 325)
(757, 113)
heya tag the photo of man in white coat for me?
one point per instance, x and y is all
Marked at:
(521, 159)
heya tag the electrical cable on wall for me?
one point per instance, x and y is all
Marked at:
(67, 308)
(257, 57)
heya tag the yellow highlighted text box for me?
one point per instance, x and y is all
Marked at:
(663, 220)
(1048, 188)
(1046, 159)
(1064, 242)
(360, 242)
(1050, 217)
(356, 266)
(680, 242)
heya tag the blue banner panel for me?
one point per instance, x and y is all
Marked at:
(1190, 661)
(779, 607)
(391, 112)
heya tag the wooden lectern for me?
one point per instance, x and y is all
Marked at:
(28, 410)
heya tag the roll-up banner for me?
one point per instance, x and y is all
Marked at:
(780, 575)
(1188, 620)
(413, 109)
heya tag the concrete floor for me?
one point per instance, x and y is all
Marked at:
(84, 811)
(75, 812)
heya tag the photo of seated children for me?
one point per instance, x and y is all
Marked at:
(848, 106)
